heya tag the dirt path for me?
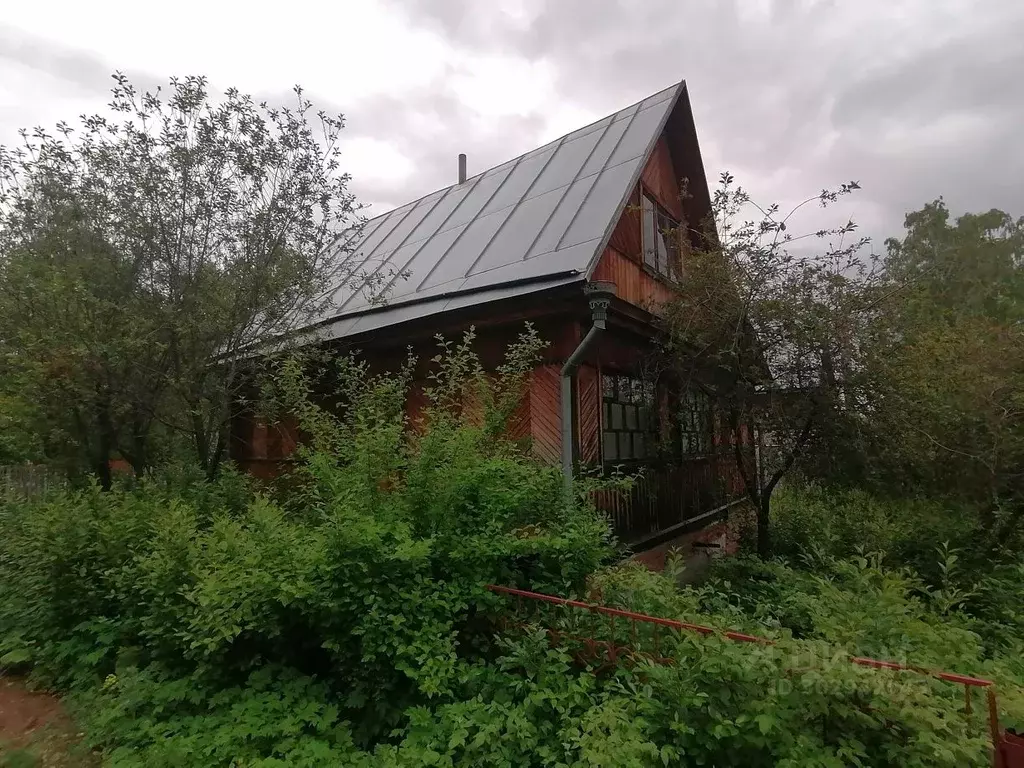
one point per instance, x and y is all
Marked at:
(35, 731)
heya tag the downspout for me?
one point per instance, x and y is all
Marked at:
(600, 299)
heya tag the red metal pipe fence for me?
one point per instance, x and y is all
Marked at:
(625, 641)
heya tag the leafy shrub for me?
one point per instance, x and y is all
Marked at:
(797, 702)
(274, 717)
(943, 543)
(845, 521)
(862, 608)
(371, 580)
(348, 624)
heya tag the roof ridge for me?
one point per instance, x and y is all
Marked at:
(677, 90)
(543, 217)
(556, 140)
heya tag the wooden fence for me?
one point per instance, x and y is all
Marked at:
(29, 481)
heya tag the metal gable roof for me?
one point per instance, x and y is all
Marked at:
(538, 220)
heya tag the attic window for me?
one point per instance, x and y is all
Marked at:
(660, 238)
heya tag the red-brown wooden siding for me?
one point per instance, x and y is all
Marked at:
(261, 449)
(545, 415)
(283, 438)
(662, 181)
(589, 409)
(258, 440)
(621, 262)
(632, 282)
(519, 423)
(626, 235)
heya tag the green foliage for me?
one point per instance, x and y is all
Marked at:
(19, 441)
(943, 544)
(947, 352)
(799, 701)
(865, 609)
(370, 582)
(844, 521)
(273, 717)
(265, 637)
(198, 623)
(135, 249)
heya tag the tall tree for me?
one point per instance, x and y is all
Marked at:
(767, 323)
(142, 254)
(950, 352)
(19, 441)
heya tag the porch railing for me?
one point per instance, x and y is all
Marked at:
(667, 495)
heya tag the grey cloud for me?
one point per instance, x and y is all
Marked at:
(67, 73)
(809, 93)
(76, 69)
(427, 126)
(794, 97)
(964, 75)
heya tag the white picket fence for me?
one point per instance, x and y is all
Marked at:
(29, 481)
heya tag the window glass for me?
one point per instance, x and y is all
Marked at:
(616, 420)
(625, 445)
(631, 417)
(695, 422)
(611, 446)
(650, 225)
(660, 238)
(628, 411)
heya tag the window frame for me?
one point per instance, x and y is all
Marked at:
(695, 423)
(672, 243)
(640, 408)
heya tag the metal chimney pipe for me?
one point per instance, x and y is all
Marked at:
(462, 168)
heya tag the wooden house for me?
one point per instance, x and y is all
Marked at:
(572, 237)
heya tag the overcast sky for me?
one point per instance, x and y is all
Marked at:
(913, 99)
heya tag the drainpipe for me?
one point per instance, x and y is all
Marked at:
(600, 298)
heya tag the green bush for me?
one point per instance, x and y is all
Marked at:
(862, 608)
(797, 702)
(347, 622)
(952, 562)
(276, 716)
(221, 657)
(843, 522)
(371, 580)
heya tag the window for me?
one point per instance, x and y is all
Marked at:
(695, 422)
(660, 238)
(628, 411)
